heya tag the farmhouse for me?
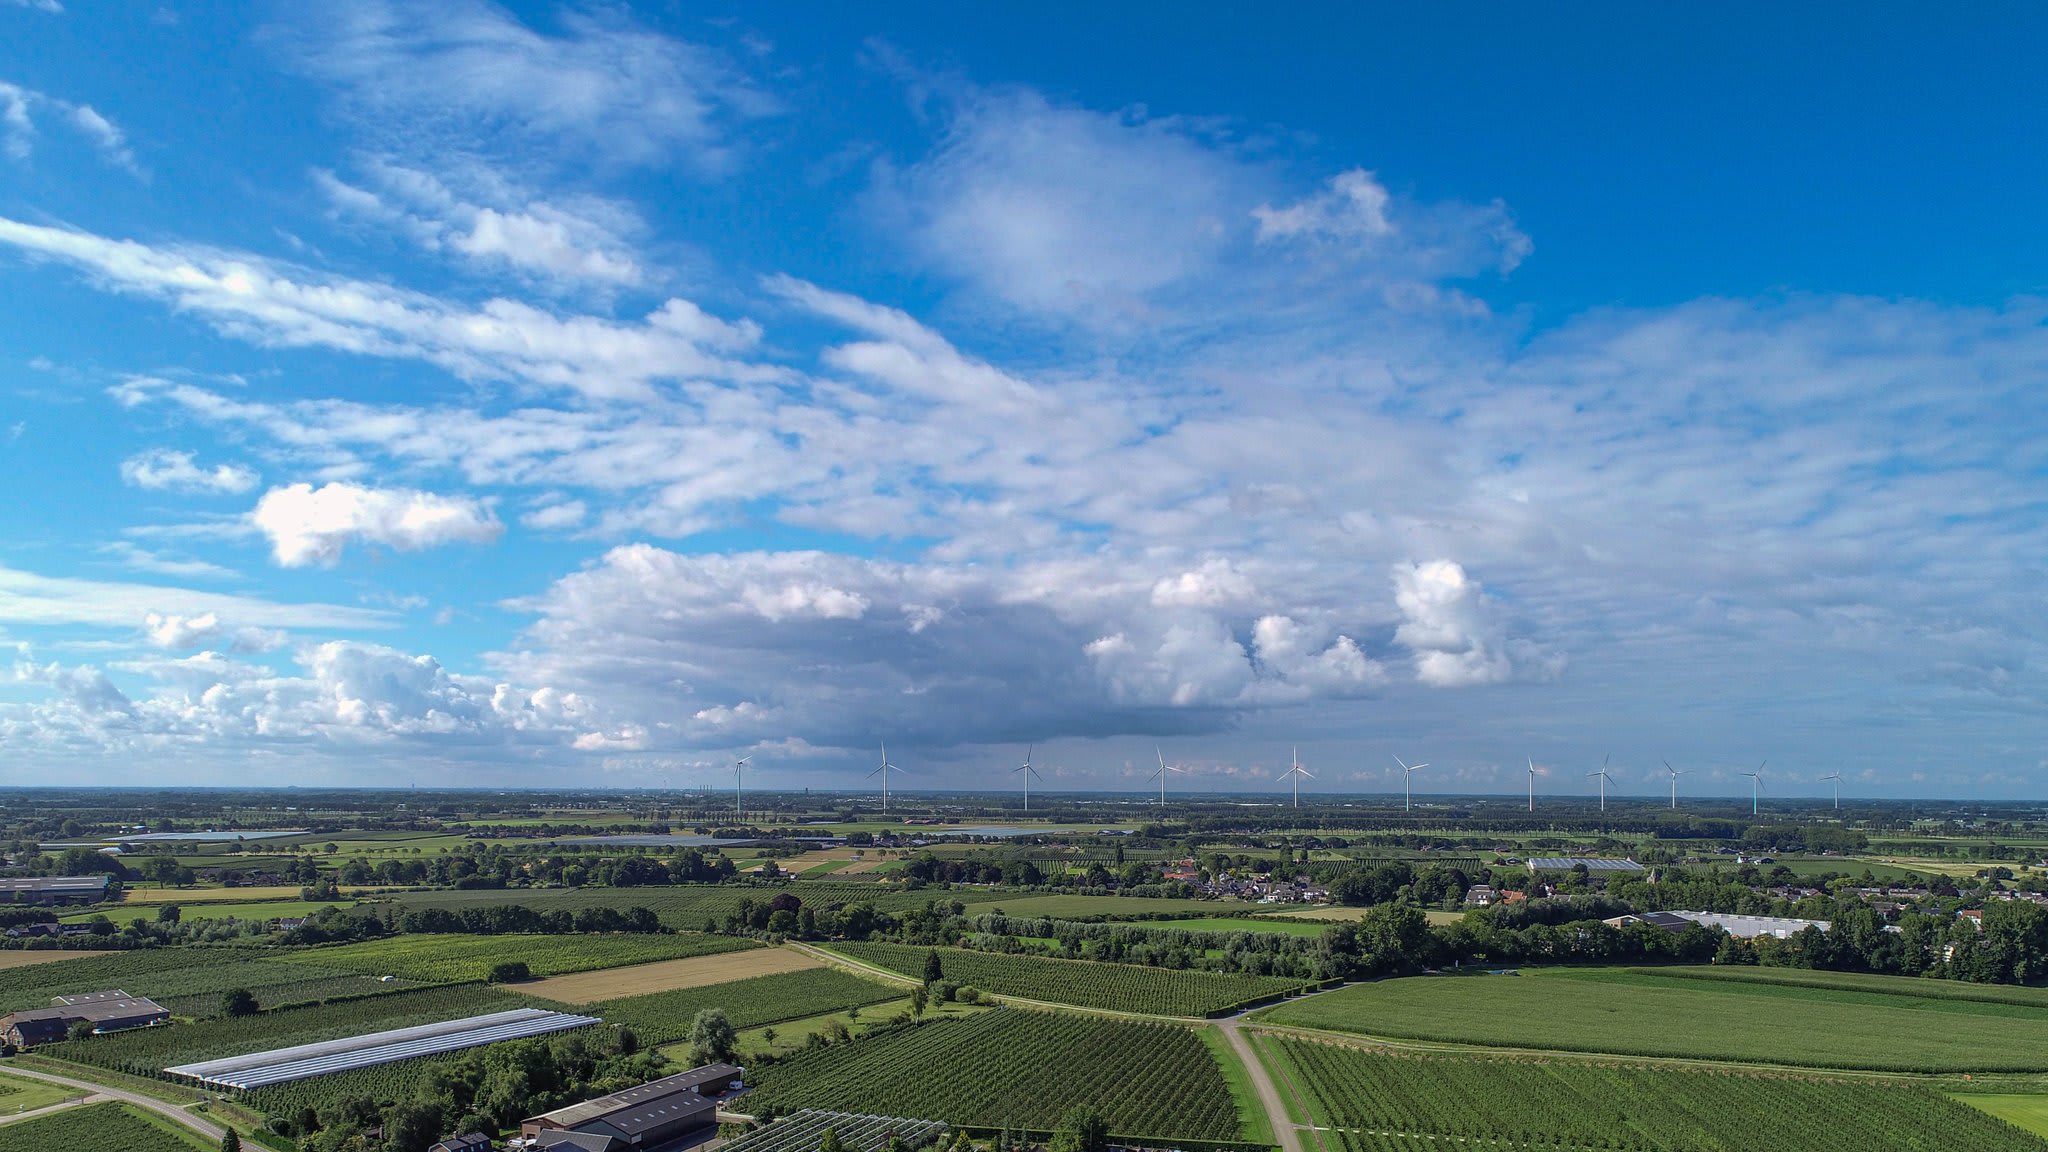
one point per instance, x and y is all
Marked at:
(467, 1142)
(652, 1115)
(53, 889)
(1671, 922)
(112, 1011)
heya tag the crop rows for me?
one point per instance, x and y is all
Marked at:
(664, 1017)
(159, 973)
(805, 1131)
(1577, 1104)
(98, 1127)
(1018, 1067)
(438, 959)
(1082, 983)
(147, 1051)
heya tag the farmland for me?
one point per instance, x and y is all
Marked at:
(1017, 1067)
(689, 907)
(664, 1017)
(1818, 1023)
(1584, 1104)
(25, 957)
(1115, 907)
(1119, 987)
(147, 1051)
(101, 1128)
(667, 975)
(444, 959)
(188, 981)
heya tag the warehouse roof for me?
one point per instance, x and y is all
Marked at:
(1592, 864)
(281, 1065)
(96, 883)
(649, 1105)
(1746, 927)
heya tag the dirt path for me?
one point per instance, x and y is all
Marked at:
(1285, 1130)
(197, 1123)
(45, 1110)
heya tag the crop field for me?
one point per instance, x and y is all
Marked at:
(1388, 1101)
(101, 1128)
(804, 1131)
(1115, 907)
(2024, 1110)
(28, 957)
(148, 1051)
(688, 906)
(188, 981)
(1657, 1012)
(1016, 1066)
(454, 959)
(20, 1094)
(1082, 983)
(1275, 924)
(665, 1017)
(667, 975)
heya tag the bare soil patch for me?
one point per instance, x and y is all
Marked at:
(666, 975)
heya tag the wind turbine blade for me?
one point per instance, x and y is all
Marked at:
(1307, 773)
(1403, 764)
(1420, 767)
(1282, 776)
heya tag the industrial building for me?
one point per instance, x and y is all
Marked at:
(652, 1116)
(53, 889)
(111, 1011)
(1594, 864)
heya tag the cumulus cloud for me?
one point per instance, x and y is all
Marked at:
(164, 469)
(1355, 212)
(172, 631)
(308, 525)
(1453, 628)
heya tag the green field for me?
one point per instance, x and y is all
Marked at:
(189, 981)
(20, 1094)
(1018, 1067)
(665, 1017)
(1814, 1019)
(100, 1128)
(2024, 1110)
(444, 959)
(688, 906)
(1113, 907)
(1276, 924)
(1383, 1101)
(1084, 984)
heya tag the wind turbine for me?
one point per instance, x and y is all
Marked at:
(1532, 783)
(1604, 778)
(1028, 772)
(1675, 774)
(1297, 771)
(883, 771)
(739, 777)
(1837, 778)
(1164, 768)
(1410, 770)
(1756, 783)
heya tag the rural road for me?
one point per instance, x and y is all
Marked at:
(1284, 1129)
(191, 1120)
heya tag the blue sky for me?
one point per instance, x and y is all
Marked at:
(538, 394)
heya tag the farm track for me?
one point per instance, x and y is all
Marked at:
(199, 1124)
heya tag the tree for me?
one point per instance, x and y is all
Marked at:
(1081, 1130)
(768, 1037)
(510, 972)
(934, 969)
(830, 1141)
(919, 1000)
(169, 914)
(712, 1037)
(230, 1141)
(240, 1002)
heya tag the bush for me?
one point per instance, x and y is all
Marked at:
(510, 972)
(239, 1002)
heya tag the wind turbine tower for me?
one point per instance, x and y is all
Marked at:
(1297, 772)
(1532, 783)
(1408, 773)
(1604, 778)
(1837, 778)
(1028, 772)
(1756, 784)
(883, 771)
(1675, 774)
(739, 779)
(1164, 768)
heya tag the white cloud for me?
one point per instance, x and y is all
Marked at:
(253, 298)
(1355, 211)
(1354, 206)
(1450, 625)
(172, 631)
(553, 517)
(20, 108)
(308, 525)
(496, 228)
(163, 469)
(29, 598)
(143, 560)
(463, 69)
(51, 6)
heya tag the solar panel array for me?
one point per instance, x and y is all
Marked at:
(283, 1065)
